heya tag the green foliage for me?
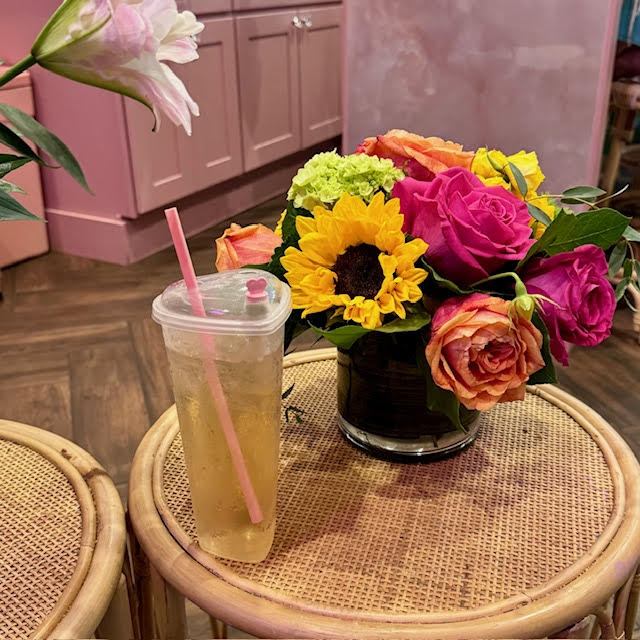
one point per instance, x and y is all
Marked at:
(45, 140)
(9, 187)
(440, 281)
(11, 139)
(521, 182)
(631, 234)
(345, 336)
(616, 259)
(547, 374)
(11, 209)
(601, 227)
(538, 214)
(10, 162)
(577, 195)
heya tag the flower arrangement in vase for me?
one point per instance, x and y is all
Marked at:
(446, 280)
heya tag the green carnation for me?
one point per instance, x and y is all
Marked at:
(328, 175)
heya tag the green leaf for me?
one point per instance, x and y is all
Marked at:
(9, 162)
(538, 214)
(11, 209)
(45, 140)
(9, 187)
(617, 257)
(621, 288)
(343, 337)
(443, 401)
(290, 235)
(601, 227)
(414, 321)
(547, 374)
(521, 183)
(493, 163)
(631, 234)
(636, 265)
(442, 282)
(11, 139)
(583, 192)
(628, 268)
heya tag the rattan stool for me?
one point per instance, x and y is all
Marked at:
(62, 539)
(530, 530)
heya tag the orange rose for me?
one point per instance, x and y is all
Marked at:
(420, 158)
(240, 246)
(480, 353)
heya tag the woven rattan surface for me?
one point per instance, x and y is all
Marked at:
(527, 504)
(41, 527)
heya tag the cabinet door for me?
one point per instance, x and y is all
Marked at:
(320, 47)
(209, 6)
(168, 164)
(215, 147)
(269, 86)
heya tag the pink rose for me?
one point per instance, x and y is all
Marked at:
(240, 246)
(471, 229)
(481, 354)
(577, 282)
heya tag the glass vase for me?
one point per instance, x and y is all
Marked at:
(382, 402)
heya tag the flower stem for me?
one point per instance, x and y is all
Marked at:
(506, 274)
(17, 69)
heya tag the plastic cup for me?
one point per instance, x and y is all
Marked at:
(241, 339)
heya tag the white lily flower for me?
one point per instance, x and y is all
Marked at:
(121, 45)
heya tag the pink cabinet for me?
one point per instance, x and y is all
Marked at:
(320, 46)
(167, 164)
(290, 68)
(269, 86)
(243, 5)
(208, 6)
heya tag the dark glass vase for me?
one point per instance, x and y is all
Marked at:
(382, 402)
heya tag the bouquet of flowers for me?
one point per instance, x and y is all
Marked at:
(461, 249)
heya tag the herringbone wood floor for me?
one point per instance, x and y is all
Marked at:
(81, 356)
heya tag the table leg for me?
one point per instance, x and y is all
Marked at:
(117, 620)
(143, 601)
(218, 628)
(632, 605)
(168, 609)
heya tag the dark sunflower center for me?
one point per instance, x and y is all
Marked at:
(359, 271)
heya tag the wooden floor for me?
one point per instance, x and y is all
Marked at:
(80, 355)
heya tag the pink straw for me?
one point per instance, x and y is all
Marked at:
(219, 399)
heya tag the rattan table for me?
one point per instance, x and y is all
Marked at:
(62, 537)
(530, 530)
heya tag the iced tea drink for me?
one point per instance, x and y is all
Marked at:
(247, 356)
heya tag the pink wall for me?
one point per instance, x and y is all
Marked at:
(507, 73)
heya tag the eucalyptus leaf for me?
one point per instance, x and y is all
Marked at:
(583, 192)
(621, 288)
(538, 214)
(11, 209)
(45, 140)
(521, 182)
(631, 234)
(547, 374)
(9, 162)
(616, 259)
(11, 139)
(9, 187)
(628, 268)
(601, 227)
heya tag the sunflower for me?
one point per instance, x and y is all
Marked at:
(355, 259)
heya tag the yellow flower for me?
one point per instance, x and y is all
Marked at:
(545, 204)
(278, 229)
(526, 162)
(355, 259)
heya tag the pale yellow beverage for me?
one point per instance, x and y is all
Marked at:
(242, 337)
(253, 390)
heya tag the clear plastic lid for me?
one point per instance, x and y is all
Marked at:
(229, 304)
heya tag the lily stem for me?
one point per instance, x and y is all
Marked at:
(17, 69)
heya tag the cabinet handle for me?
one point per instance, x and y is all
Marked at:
(307, 22)
(296, 22)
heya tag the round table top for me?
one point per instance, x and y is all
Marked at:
(62, 536)
(526, 524)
